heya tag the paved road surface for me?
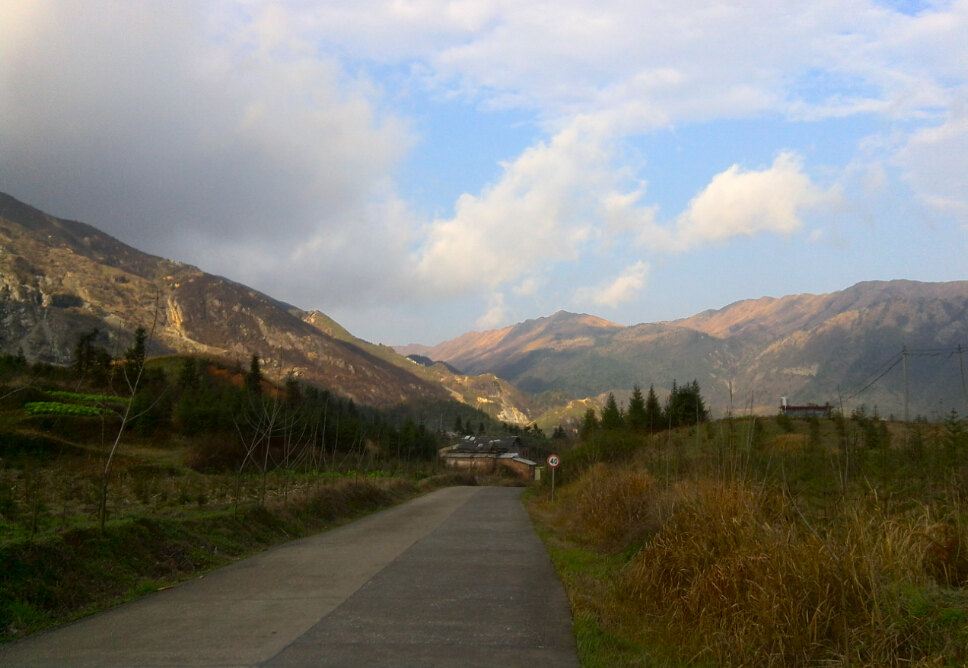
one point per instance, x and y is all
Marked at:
(453, 578)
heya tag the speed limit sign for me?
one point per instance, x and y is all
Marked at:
(553, 462)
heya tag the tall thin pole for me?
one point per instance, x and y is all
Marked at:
(964, 386)
(697, 421)
(904, 367)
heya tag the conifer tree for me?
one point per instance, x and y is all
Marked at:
(188, 376)
(636, 416)
(685, 405)
(253, 379)
(611, 416)
(84, 352)
(653, 411)
(293, 390)
(134, 356)
(91, 362)
(695, 408)
(670, 414)
(589, 423)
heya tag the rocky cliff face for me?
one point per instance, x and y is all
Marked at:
(809, 348)
(59, 278)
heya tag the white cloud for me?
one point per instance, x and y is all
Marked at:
(542, 210)
(663, 63)
(740, 202)
(621, 289)
(528, 287)
(496, 313)
(935, 163)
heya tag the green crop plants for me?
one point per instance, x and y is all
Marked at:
(58, 408)
(78, 397)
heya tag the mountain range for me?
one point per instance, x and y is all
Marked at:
(808, 348)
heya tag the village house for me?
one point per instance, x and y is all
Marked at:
(805, 410)
(482, 454)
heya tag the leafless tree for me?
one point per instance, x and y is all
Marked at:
(133, 378)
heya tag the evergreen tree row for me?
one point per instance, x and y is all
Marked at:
(683, 406)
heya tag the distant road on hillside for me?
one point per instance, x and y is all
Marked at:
(454, 578)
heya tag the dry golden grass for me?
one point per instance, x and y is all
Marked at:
(787, 443)
(611, 508)
(737, 574)
(734, 573)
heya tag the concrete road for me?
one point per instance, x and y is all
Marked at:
(453, 578)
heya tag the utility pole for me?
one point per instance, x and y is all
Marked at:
(905, 369)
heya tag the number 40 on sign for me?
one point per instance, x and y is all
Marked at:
(553, 462)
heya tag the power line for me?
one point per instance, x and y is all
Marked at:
(893, 363)
(915, 352)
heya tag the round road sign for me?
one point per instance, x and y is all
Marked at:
(553, 461)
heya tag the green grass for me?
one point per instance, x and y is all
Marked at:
(587, 575)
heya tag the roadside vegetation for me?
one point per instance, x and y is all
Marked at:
(122, 474)
(764, 541)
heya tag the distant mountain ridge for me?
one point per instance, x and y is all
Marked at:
(806, 347)
(60, 277)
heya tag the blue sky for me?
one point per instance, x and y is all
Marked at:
(419, 168)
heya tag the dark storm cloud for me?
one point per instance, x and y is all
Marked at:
(197, 135)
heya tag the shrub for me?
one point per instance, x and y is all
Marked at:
(213, 453)
(785, 423)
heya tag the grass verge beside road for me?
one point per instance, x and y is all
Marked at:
(825, 552)
(587, 576)
(59, 577)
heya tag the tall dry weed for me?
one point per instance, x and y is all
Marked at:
(612, 508)
(738, 576)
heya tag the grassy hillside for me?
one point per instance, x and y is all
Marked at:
(766, 541)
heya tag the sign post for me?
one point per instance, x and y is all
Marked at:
(553, 462)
